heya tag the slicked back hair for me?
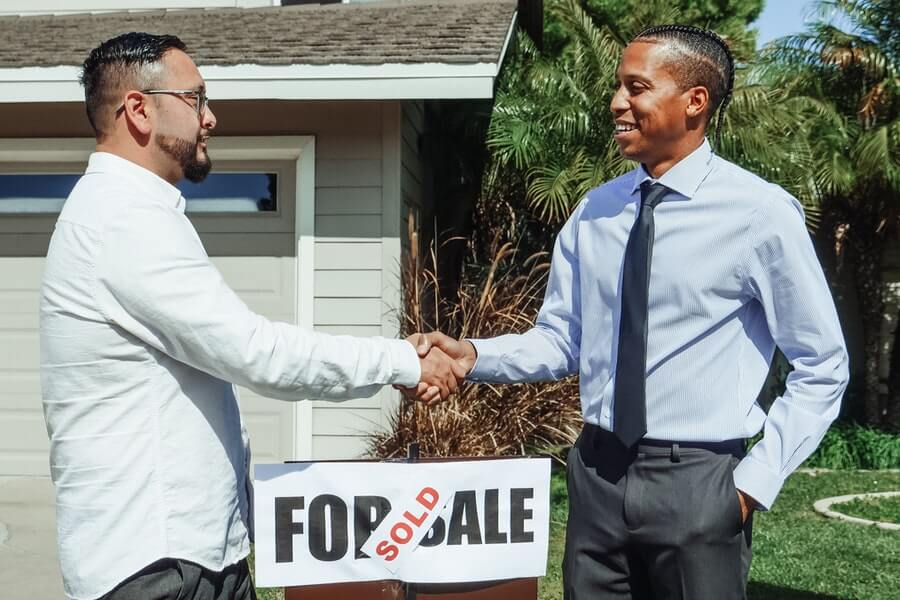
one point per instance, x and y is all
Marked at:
(701, 57)
(128, 61)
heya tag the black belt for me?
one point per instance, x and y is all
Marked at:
(724, 447)
(736, 447)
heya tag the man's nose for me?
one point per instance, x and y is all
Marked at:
(618, 104)
(209, 118)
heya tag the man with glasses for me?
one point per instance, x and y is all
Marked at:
(142, 342)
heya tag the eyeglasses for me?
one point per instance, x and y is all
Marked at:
(199, 96)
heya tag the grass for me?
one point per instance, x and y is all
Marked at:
(886, 509)
(798, 554)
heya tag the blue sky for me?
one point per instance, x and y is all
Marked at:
(782, 17)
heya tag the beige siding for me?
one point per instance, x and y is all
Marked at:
(348, 284)
(349, 269)
(345, 257)
(357, 330)
(339, 446)
(348, 228)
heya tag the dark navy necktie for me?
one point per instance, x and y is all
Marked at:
(629, 404)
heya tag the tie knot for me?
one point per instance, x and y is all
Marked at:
(652, 193)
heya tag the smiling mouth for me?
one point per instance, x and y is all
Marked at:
(624, 128)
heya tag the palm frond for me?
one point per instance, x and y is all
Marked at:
(877, 155)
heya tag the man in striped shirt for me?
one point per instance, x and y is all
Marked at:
(670, 288)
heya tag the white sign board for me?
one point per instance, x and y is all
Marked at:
(427, 522)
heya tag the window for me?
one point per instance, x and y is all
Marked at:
(245, 207)
(45, 193)
(232, 193)
(35, 193)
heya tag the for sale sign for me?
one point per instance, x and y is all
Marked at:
(446, 522)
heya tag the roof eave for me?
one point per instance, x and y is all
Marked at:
(288, 82)
(419, 81)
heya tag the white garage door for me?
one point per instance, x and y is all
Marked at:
(254, 250)
(23, 436)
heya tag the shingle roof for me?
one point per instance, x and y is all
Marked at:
(405, 31)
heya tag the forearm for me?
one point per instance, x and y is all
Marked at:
(795, 426)
(536, 355)
(283, 361)
(171, 297)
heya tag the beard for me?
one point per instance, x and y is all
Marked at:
(185, 154)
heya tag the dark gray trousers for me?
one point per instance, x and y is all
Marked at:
(175, 579)
(653, 522)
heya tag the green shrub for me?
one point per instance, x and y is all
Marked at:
(852, 446)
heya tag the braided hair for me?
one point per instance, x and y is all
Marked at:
(702, 58)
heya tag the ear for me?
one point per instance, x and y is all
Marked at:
(697, 101)
(138, 112)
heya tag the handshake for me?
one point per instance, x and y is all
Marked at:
(445, 363)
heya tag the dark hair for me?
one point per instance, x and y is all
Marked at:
(710, 63)
(118, 63)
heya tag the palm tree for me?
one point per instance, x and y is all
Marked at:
(846, 64)
(551, 130)
(552, 127)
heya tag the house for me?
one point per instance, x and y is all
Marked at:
(317, 166)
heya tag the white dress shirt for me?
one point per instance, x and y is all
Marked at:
(733, 274)
(141, 340)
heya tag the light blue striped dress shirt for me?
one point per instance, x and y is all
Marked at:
(733, 274)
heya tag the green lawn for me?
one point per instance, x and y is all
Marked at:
(885, 509)
(798, 554)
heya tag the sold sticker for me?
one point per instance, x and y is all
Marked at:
(400, 533)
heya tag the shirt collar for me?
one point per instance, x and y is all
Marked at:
(106, 162)
(685, 176)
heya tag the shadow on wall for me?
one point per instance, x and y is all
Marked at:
(766, 591)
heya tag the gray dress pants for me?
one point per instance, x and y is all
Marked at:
(175, 579)
(653, 522)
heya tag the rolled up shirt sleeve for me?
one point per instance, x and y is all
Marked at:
(783, 273)
(156, 282)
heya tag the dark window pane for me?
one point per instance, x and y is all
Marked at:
(36, 193)
(232, 192)
(220, 192)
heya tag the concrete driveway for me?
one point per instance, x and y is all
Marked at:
(29, 569)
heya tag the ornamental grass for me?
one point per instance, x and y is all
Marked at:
(481, 419)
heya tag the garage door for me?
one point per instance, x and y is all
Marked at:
(251, 241)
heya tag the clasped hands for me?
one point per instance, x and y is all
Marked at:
(445, 363)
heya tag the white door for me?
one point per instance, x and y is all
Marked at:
(266, 284)
(23, 435)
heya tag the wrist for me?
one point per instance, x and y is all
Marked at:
(470, 354)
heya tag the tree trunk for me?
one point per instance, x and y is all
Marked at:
(867, 248)
(857, 245)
